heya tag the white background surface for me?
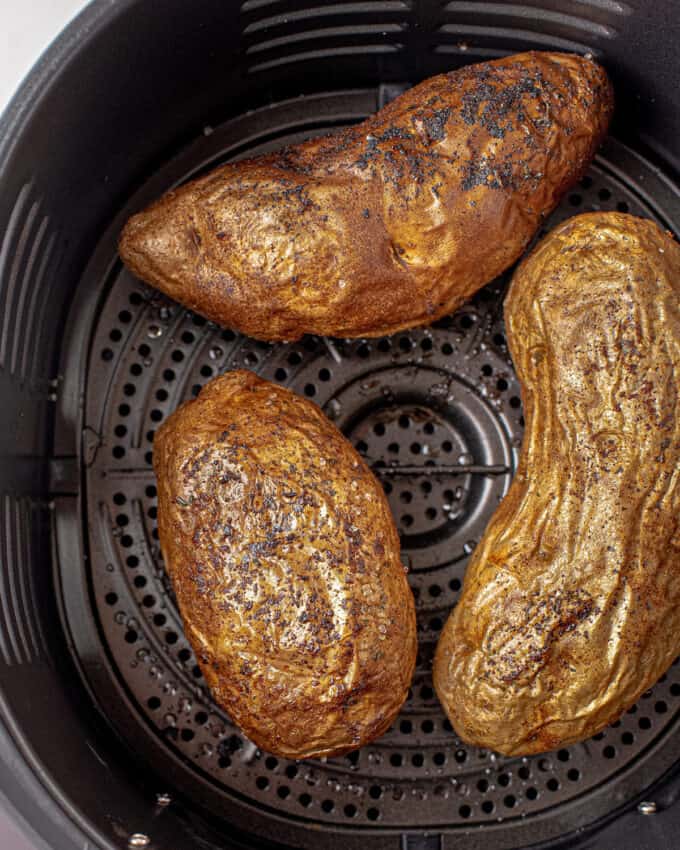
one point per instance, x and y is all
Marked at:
(26, 29)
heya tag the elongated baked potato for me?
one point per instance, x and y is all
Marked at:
(571, 602)
(385, 225)
(285, 561)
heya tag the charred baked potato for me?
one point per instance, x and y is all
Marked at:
(385, 225)
(571, 602)
(285, 561)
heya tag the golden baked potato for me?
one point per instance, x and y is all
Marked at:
(571, 602)
(285, 561)
(385, 225)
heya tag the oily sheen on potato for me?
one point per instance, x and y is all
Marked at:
(285, 561)
(571, 604)
(386, 225)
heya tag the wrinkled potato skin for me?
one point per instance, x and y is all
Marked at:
(386, 225)
(285, 561)
(571, 603)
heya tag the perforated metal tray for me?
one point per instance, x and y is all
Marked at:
(442, 400)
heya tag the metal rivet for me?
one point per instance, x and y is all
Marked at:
(154, 331)
(163, 799)
(138, 839)
(647, 807)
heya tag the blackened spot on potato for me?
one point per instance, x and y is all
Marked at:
(394, 133)
(435, 124)
(299, 193)
(547, 619)
(497, 103)
(371, 152)
(479, 172)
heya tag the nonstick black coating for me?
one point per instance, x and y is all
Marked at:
(135, 96)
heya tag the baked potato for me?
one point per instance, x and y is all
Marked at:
(386, 225)
(285, 562)
(570, 608)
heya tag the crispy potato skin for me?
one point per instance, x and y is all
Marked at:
(386, 225)
(285, 561)
(571, 602)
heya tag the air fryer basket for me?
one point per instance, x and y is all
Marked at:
(108, 734)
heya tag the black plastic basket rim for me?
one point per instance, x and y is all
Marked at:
(24, 787)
